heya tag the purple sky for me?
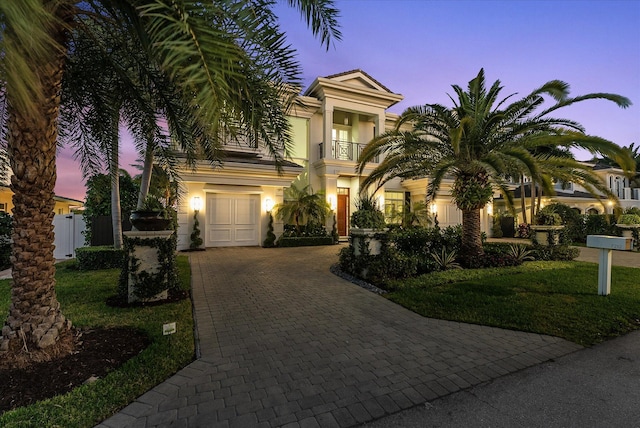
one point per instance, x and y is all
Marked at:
(419, 48)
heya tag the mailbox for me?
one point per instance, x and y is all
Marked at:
(610, 242)
(606, 244)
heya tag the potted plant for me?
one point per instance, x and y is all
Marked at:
(152, 216)
(629, 224)
(367, 224)
(548, 224)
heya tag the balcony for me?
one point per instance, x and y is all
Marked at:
(344, 150)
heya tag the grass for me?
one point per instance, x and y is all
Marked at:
(555, 298)
(82, 295)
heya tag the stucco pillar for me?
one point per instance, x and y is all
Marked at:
(327, 130)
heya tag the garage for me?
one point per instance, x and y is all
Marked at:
(232, 220)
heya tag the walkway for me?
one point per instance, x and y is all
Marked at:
(283, 342)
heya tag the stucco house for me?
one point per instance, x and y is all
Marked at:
(576, 197)
(332, 122)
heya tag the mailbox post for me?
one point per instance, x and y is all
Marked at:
(607, 244)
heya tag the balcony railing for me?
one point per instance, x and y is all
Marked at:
(344, 150)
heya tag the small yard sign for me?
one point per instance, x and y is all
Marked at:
(169, 328)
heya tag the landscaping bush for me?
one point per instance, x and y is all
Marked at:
(557, 252)
(305, 230)
(6, 227)
(599, 224)
(304, 241)
(101, 257)
(490, 260)
(390, 265)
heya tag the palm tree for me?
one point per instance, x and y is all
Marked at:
(230, 58)
(302, 206)
(481, 140)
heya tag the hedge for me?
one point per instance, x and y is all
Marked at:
(305, 241)
(99, 257)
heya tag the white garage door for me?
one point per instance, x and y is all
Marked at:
(232, 220)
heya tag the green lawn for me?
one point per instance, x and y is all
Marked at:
(82, 296)
(555, 298)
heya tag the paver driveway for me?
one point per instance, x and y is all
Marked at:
(283, 342)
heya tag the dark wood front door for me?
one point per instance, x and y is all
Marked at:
(343, 211)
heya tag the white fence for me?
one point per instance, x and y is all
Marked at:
(68, 235)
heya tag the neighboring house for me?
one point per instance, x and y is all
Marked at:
(578, 198)
(331, 122)
(63, 205)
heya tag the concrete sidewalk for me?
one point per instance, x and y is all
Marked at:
(283, 342)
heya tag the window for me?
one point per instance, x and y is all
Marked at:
(3, 208)
(393, 207)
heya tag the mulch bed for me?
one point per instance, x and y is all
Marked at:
(96, 353)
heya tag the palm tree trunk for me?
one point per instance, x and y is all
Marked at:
(35, 320)
(145, 180)
(533, 201)
(471, 234)
(114, 172)
(523, 200)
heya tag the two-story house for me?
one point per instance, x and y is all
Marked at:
(331, 123)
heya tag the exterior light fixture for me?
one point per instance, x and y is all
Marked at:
(268, 204)
(332, 202)
(434, 208)
(196, 203)
(490, 209)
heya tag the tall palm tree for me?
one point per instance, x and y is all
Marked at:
(229, 56)
(482, 139)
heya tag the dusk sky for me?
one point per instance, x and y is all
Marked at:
(419, 48)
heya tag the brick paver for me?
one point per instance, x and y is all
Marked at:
(283, 342)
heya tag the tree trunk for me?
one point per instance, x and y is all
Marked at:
(471, 234)
(533, 201)
(35, 320)
(145, 180)
(114, 172)
(523, 200)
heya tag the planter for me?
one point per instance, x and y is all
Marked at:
(149, 260)
(149, 220)
(367, 238)
(629, 230)
(541, 234)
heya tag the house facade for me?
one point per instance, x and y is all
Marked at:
(577, 197)
(331, 121)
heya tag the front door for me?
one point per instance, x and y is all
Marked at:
(343, 211)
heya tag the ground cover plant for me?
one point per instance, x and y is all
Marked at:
(83, 295)
(557, 298)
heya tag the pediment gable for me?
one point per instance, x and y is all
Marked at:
(358, 78)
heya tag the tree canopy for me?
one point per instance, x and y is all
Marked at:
(482, 140)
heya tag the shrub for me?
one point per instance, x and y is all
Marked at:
(101, 257)
(6, 228)
(304, 241)
(629, 219)
(524, 231)
(599, 224)
(490, 260)
(558, 252)
(389, 265)
(305, 230)
(270, 240)
(368, 214)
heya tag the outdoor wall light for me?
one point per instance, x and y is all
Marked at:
(434, 208)
(196, 203)
(332, 202)
(268, 204)
(490, 209)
